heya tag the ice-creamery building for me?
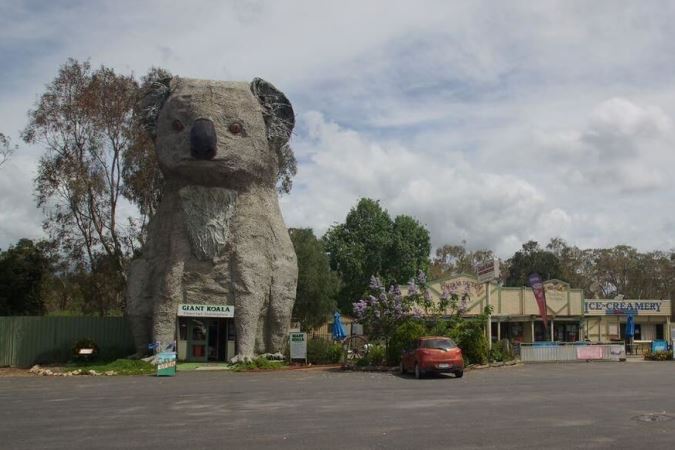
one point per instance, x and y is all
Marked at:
(515, 314)
(571, 317)
(606, 319)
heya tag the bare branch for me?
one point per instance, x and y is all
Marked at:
(6, 149)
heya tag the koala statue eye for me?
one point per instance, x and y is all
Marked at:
(236, 128)
(178, 125)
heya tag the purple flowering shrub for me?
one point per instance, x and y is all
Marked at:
(388, 314)
(382, 310)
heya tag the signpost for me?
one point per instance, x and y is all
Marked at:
(164, 360)
(488, 271)
(298, 344)
(166, 364)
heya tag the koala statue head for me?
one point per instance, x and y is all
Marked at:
(218, 133)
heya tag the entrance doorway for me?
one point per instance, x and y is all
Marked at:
(203, 339)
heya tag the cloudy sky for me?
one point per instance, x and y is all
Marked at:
(490, 122)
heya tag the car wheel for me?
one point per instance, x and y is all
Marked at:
(459, 374)
(418, 371)
(402, 369)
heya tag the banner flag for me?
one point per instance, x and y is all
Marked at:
(537, 285)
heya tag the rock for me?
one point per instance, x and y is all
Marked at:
(93, 372)
(110, 372)
(218, 236)
(151, 359)
(35, 369)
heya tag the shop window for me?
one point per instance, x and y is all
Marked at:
(659, 331)
(198, 330)
(571, 332)
(638, 332)
(516, 331)
(541, 333)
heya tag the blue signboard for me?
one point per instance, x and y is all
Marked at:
(659, 345)
(166, 364)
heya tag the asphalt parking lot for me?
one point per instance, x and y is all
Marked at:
(579, 405)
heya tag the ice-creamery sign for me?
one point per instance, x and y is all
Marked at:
(624, 307)
(190, 310)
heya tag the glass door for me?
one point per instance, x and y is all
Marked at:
(197, 339)
(214, 340)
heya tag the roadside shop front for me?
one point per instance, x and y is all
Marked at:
(606, 320)
(205, 333)
(515, 315)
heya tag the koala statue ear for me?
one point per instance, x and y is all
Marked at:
(151, 104)
(277, 111)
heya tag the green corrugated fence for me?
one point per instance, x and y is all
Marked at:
(27, 340)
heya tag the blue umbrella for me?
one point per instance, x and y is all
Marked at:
(630, 325)
(338, 331)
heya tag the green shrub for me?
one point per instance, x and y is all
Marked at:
(323, 351)
(470, 337)
(403, 337)
(659, 356)
(440, 328)
(363, 362)
(499, 352)
(377, 355)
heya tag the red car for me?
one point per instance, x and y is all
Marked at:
(433, 354)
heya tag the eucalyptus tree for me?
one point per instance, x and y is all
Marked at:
(97, 165)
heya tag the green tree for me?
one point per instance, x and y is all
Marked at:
(409, 249)
(317, 283)
(532, 258)
(23, 269)
(456, 259)
(370, 243)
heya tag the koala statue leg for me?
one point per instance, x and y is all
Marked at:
(250, 293)
(139, 306)
(282, 298)
(168, 298)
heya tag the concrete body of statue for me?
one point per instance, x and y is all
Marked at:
(218, 236)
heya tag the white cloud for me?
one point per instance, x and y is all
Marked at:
(18, 215)
(490, 122)
(623, 147)
(455, 200)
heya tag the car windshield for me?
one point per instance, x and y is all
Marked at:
(443, 344)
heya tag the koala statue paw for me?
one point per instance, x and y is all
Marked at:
(240, 359)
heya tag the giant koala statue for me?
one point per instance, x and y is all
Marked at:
(218, 236)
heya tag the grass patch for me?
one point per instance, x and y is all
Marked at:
(258, 364)
(119, 366)
(197, 365)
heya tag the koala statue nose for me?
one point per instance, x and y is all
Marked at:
(203, 140)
